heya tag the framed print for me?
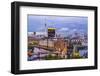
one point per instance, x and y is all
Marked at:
(52, 37)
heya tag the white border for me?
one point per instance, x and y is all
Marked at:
(26, 65)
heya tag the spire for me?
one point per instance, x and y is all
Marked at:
(45, 27)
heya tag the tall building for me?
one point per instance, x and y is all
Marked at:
(51, 32)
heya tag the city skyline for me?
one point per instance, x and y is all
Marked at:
(57, 37)
(36, 23)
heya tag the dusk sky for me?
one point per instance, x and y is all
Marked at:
(37, 23)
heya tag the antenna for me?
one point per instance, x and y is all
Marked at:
(45, 26)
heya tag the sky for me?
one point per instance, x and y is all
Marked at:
(36, 23)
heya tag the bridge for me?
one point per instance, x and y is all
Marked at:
(53, 49)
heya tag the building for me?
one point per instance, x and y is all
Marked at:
(51, 32)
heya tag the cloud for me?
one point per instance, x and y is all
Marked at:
(41, 29)
(64, 29)
(74, 30)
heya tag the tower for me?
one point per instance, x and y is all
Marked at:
(45, 30)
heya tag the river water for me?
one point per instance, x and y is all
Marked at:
(39, 53)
